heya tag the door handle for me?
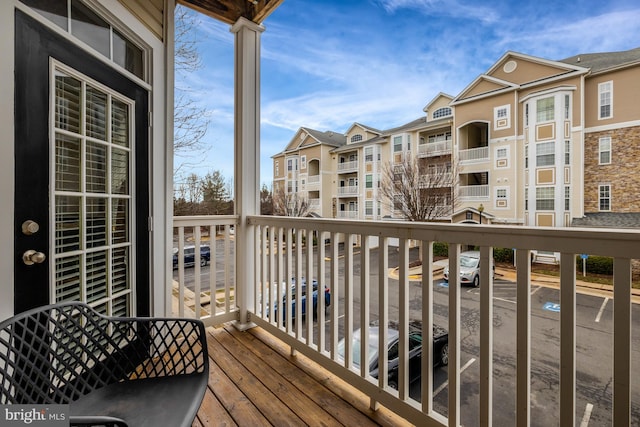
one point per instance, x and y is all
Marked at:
(30, 227)
(31, 257)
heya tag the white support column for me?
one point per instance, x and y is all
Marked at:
(247, 158)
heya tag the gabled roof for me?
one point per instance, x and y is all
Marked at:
(598, 62)
(436, 98)
(506, 75)
(363, 127)
(307, 137)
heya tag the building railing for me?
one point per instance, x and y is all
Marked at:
(471, 192)
(439, 178)
(371, 284)
(348, 214)
(434, 148)
(474, 154)
(348, 166)
(314, 205)
(313, 179)
(348, 190)
(204, 289)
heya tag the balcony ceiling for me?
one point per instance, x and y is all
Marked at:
(230, 10)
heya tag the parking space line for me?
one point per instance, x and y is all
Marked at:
(587, 415)
(536, 290)
(604, 303)
(446, 383)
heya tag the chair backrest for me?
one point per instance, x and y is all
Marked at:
(57, 353)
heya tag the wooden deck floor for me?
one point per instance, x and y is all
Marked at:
(254, 381)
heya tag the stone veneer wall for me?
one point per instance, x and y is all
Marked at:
(623, 174)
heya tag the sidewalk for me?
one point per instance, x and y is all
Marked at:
(597, 289)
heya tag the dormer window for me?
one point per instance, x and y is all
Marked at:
(356, 138)
(442, 112)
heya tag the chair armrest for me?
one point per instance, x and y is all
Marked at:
(96, 420)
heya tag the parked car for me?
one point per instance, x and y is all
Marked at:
(190, 255)
(303, 298)
(440, 351)
(469, 268)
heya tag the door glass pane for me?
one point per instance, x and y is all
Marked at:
(119, 219)
(96, 276)
(120, 123)
(119, 171)
(96, 168)
(126, 54)
(67, 224)
(96, 222)
(120, 269)
(54, 10)
(68, 279)
(67, 106)
(67, 163)
(96, 114)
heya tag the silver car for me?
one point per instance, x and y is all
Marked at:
(469, 268)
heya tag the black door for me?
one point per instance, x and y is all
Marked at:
(81, 181)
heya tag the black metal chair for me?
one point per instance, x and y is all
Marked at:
(110, 371)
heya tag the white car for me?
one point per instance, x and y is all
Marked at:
(469, 268)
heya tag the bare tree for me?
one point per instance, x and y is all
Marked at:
(289, 204)
(266, 200)
(191, 121)
(421, 189)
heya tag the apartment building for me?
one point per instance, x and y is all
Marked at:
(530, 142)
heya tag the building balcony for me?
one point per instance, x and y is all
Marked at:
(440, 148)
(314, 205)
(348, 214)
(504, 336)
(348, 190)
(473, 192)
(348, 167)
(313, 182)
(479, 154)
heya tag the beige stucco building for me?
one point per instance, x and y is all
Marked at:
(530, 142)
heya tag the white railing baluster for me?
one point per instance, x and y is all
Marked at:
(523, 339)
(383, 310)
(364, 305)
(196, 265)
(308, 315)
(486, 336)
(567, 339)
(348, 299)
(454, 335)
(288, 276)
(227, 268)
(427, 326)
(180, 256)
(335, 288)
(403, 315)
(264, 278)
(321, 295)
(283, 307)
(298, 322)
(622, 342)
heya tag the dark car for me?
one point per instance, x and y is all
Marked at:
(190, 256)
(440, 351)
(303, 298)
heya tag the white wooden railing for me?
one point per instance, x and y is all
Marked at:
(468, 192)
(348, 166)
(324, 249)
(348, 190)
(434, 148)
(474, 154)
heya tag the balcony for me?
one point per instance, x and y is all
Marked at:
(547, 381)
(348, 214)
(348, 191)
(313, 183)
(479, 154)
(431, 149)
(347, 167)
(314, 205)
(473, 192)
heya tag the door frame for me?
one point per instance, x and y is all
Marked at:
(34, 45)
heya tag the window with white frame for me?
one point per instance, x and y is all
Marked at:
(368, 181)
(604, 197)
(368, 154)
(501, 117)
(566, 107)
(604, 150)
(277, 167)
(526, 114)
(442, 112)
(303, 162)
(545, 154)
(526, 156)
(526, 199)
(368, 207)
(356, 138)
(605, 100)
(567, 152)
(502, 195)
(545, 109)
(567, 198)
(545, 198)
(397, 144)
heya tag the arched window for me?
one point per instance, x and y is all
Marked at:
(442, 112)
(356, 138)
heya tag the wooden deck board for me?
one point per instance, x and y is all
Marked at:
(254, 381)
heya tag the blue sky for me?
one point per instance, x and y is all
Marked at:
(329, 63)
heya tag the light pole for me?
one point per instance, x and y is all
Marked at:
(481, 209)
